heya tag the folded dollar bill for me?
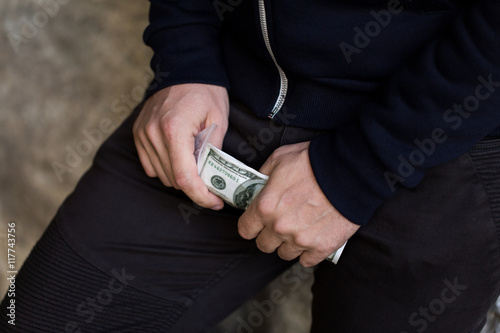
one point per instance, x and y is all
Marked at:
(230, 179)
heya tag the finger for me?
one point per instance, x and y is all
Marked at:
(309, 259)
(288, 252)
(184, 170)
(152, 165)
(146, 141)
(139, 137)
(267, 242)
(249, 226)
(161, 169)
(217, 138)
(144, 159)
(158, 155)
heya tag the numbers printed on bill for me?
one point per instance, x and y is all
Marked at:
(230, 179)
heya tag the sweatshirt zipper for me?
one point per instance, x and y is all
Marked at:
(283, 79)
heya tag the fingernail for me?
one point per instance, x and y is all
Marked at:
(217, 207)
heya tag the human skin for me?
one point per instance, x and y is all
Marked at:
(291, 214)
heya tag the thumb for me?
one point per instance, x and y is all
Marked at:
(218, 133)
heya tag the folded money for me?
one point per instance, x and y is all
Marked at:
(231, 180)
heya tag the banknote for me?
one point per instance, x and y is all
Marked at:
(231, 180)
(335, 256)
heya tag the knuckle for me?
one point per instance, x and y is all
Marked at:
(182, 179)
(325, 248)
(149, 130)
(265, 207)
(281, 228)
(302, 241)
(308, 260)
(323, 251)
(306, 263)
(169, 125)
(262, 246)
(285, 254)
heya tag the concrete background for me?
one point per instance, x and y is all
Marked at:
(64, 67)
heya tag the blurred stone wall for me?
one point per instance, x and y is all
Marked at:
(61, 69)
(65, 67)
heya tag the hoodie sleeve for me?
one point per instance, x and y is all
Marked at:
(184, 35)
(431, 111)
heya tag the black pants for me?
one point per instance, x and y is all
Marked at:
(126, 254)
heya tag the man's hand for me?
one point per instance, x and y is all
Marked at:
(292, 214)
(164, 135)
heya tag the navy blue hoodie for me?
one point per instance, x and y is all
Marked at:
(399, 85)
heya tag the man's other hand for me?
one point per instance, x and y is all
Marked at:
(164, 135)
(291, 213)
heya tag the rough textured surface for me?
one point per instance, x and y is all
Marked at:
(60, 75)
(64, 69)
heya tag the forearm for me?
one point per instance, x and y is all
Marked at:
(184, 36)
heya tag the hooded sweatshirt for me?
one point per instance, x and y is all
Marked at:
(398, 86)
